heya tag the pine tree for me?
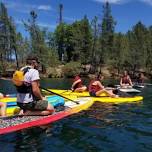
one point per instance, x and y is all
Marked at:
(107, 34)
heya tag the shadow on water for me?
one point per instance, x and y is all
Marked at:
(103, 127)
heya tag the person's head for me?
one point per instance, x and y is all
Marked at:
(125, 73)
(99, 76)
(141, 75)
(32, 61)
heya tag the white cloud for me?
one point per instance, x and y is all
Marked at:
(122, 1)
(111, 1)
(44, 7)
(47, 25)
(26, 8)
(147, 1)
(19, 22)
(51, 26)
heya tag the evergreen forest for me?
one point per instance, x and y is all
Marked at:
(83, 42)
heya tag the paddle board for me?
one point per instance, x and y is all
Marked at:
(11, 124)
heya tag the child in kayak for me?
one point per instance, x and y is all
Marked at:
(125, 81)
(96, 88)
(77, 85)
(2, 106)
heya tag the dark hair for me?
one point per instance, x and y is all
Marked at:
(30, 59)
(115, 91)
(99, 75)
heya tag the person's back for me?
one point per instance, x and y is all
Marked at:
(77, 85)
(140, 78)
(29, 97)
(96, 88)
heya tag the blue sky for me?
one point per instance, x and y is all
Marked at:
(126, 12)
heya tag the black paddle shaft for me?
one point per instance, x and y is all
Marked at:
(77, 102)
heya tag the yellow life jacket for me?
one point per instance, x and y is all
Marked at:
(18, 80)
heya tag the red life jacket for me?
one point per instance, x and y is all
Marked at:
(125, 80)
(94, 88)
(79, 84)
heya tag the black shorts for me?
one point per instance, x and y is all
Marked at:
(39, 105)
(92, 94)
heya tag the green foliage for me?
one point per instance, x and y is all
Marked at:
(60, 39)
(107, 34)
(78, 43)
(71, 69)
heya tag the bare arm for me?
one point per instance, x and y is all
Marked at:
(36, 90)
(100, 85)
(121, 82)
(130, 81)
(75, 83)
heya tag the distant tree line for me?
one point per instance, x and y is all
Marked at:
(87, 42)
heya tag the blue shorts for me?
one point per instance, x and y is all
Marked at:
(92, 93)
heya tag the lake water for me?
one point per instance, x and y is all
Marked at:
(102, 128)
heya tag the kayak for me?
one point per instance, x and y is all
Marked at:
(138, 85)
(12, 101)
(105, 98)
(117, 100)
(129, 90)
(8, 99)
(14, 123)
(70, 92)
(54, 100)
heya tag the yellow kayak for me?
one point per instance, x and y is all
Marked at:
(10, 99)
(12, 110)
(103, 98)
(70, 92)
(82, 104)
(74, 96)
(117, 100)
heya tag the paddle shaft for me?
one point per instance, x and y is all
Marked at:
(60, 95)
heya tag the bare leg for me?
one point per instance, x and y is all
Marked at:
(1, 96)
(48, 111)
(110, 93)
(2, 108)
(84, 88)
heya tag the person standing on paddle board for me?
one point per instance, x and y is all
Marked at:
(29, 97)
(125, 81)
(77, 85)
(96, 88)
(2, 106)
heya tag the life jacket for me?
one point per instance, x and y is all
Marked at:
(125, 80)
(79, 84)
(94, 88)
(18, 81)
